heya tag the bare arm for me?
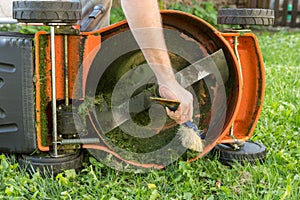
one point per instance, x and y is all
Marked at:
(144, 19)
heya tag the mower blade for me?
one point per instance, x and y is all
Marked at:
(186, 77)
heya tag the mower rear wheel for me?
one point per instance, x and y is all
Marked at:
(246, 16)
(47, 11)
(50, 166)
(250, 152)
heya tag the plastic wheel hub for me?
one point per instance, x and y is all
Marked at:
(249, 152)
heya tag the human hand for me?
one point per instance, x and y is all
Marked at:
(174, 91)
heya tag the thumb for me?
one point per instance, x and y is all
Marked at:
(167, 93)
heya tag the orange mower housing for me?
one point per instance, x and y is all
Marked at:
(246, 71)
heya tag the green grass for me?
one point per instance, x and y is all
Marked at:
(277, 178)
(202, 9)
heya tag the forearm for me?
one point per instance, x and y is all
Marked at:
(145, 23)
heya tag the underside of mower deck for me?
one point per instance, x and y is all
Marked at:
(63, 90)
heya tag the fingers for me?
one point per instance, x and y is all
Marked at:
(184, 112)
(187, 108)
(179, 116)
(190, 113)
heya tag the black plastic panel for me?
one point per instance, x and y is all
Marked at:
(17, 113)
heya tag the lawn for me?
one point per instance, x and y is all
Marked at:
(277, 178)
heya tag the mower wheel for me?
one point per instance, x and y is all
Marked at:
(250, 152)
(50, 166)
(246, 16)
(47, 11)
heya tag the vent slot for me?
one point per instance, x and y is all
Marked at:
(1, 83)
(2, 114)
(8, 128)
(7, 68)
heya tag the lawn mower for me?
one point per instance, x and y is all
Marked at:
(63, 90)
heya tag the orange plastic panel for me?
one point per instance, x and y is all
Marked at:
(253, 86)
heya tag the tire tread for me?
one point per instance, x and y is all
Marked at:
(246, 16)
(46, 11)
